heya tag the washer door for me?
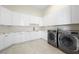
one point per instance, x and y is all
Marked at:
(51, 37)
(67, 42)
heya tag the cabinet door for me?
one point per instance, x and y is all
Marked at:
(36, 20)
(63, 16)
(32, 35)
(0, 14)
(16, 19)
(44, 35)
(50, 20)
(38, 33)
(5, 16)
(26, 36)
(4, 41)
(35, 35)
(75, 14)
(40, 21)
(26, 19)
(10, 38)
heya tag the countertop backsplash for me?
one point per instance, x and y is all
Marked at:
(8, 29)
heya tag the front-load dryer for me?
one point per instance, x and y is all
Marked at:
(68, 41)
(52, 37)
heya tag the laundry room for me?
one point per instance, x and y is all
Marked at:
(39, 29)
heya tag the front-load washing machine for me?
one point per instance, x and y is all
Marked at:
(68, 41)
(52, 38)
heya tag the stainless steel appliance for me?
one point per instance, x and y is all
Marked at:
(68, 41)
(52, 37)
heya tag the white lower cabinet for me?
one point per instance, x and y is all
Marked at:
(5, 41)
(44, 35)
(2, 44)
(35, 35)
(25, 36)
(8, 39)
(17, 37)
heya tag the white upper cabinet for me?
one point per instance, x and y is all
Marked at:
(19, 19)
(49, 20)
(63, 16)
(75, 14)
(36, 20)
(5, 16)
(26, 20)
(59, 15)
(16, 19)
(8, 17)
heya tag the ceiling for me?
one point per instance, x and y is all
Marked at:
(39, 9)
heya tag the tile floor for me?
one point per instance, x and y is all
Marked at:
(39, 46)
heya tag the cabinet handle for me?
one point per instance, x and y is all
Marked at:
(3, 33)
(6, 35)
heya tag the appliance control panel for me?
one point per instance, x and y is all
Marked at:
(74, 32)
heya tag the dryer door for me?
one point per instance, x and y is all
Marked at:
(51, 36)
(67, 42)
